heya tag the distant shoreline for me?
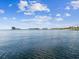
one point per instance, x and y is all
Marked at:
(65, 28)
(38, 30)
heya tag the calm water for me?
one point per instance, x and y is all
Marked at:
(39, 44)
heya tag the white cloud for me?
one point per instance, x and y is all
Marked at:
(59, 19)
(32, 2)
(10, 5)
(67, 8)
(32, 7)
(22, 5)
(5, 18)
(9, 18)
(2, 11)
(75, 4)
(39, 7)
(13, 18)
(58, 14)
(28, 13)
(43, 18)
(39, 19)
(68, 14)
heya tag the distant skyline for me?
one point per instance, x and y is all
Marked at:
(38, 13)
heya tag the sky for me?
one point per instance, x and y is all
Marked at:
(38, 13)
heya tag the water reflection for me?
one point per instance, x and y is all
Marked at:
(39, 44)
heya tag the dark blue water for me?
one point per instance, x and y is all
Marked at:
(39, 44)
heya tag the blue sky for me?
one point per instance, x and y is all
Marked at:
(38, 13)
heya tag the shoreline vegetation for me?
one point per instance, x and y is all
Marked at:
(65, 28)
